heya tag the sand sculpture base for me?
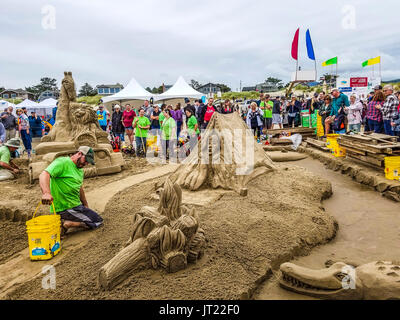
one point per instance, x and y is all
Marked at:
(168, 237)
(76, 125)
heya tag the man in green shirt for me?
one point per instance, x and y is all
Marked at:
(266, 106)
(61, 184)
(142, 125)
(7, 167)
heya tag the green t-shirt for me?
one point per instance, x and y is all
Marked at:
(5, 154)
(191, 124)
(143, 122)
(161, 118)
(267, 113)
(167, 128)
(65, 183)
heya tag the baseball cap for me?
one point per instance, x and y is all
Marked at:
(335, 89)
(388, 87)
(89, 154)
(187, 100)
(378, 87)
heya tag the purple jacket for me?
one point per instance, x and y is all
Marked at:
(177, 115)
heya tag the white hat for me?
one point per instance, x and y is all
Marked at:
(117, 106)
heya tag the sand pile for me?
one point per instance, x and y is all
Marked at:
(281, 217)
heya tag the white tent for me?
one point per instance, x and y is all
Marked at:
(31, 106)
(179, 90)
(48, 103)
(4, 104)
(133, 91)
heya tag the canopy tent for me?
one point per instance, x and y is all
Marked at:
(48, 103)
(133, 91)
(3, 105)
(31, 106)
(179, 90)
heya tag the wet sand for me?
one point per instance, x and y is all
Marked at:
(369, 229)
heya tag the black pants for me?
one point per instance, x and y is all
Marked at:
(82, 214)
(257, 130)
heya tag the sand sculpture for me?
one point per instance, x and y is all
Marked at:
(168, 237)
(373, 281)
(76, 125)
(227, 157)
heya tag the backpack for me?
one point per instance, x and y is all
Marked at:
(339, 122)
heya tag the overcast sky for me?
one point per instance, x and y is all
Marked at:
(155, 41)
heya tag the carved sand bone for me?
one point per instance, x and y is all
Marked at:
(168, 237)
(374, 281)
(76, 125)
(236, 143)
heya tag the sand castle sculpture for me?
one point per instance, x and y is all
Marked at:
(168, 237)
(373, 281)
(227, 157)
(76, 125)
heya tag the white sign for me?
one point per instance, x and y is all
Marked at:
(343, 84)
(307, 75)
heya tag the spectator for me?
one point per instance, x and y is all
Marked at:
(374, 114)
(354, 114)
(276, 113)
(117, 126)
(9, 122)
(161, 117)
(210, 110)
(201, 111)
(189, 107)
(193, 129)
(54, 111)
(61, 183)
(24, 132)
(7, 167)
(325, 111)
(227, 108)
(266, 107)
(293, 112)
(142, 125)
(102, 117)
(254, 121)
(389, 109)
(127, 120)
(3, 134)
(35, 123)
(155, 121)
(168, 134)
(177, 115)
(148, 109)
(339, 101)
(260, 100)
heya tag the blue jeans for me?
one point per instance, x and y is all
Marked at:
(104, 128)
(140, 145)
(355, 127)
(178, 128)
(375, 126)
(26, 139)
(387, 124)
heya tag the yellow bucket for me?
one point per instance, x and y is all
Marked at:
(392, 168)
(44, 236)
(339, 152)
(331, 141)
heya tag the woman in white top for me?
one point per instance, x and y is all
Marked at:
(354, 116)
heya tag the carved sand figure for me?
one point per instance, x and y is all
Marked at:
(167, 237)
(227, 157)
(373, 281)
(76, 125)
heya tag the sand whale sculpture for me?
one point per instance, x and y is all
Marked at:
(373, 281)
(168, 237)
(76, 125)
(227, 157)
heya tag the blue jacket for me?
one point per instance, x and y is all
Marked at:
(2, 133)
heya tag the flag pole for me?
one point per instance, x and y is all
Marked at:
(380, 70)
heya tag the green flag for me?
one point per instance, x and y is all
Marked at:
(330, 62)
(371, 62)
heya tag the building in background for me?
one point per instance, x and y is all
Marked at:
(209, 88)
(17, 94)
(49, 94)
(109, 89)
